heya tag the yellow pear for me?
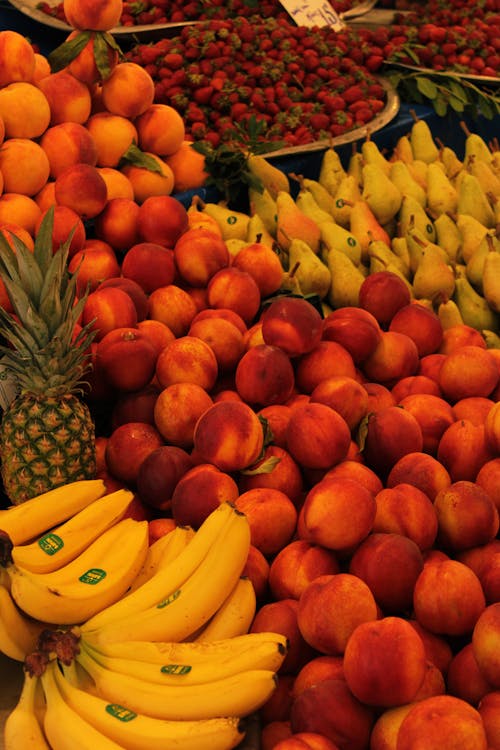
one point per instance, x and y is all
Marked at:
(475, 145)
(373, 155)
(257, 231)
(418, 170)
(381, 251)
(346, 280)
(473, 307)
(433, 275)
(475, 266)
(232, 224)
(312, 274)
(451, 162)
(418, 242)
(355, 166)
(322, 196)
(491, 278)
(263, 203)
(473, 201)
(307, 203)
(422, 142)
(402, 150)
(449, 314)
(411, 214)
(331, 170)
(365, 227)
(401, 176)
(399, 247)
(334, 236)
(348, 192)
(381, 194)
(442, 196)
(292, 223)
(271, 177)
(448, 236)
(484, 175)
(472, 233)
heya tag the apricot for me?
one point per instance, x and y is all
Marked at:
(188, 166)
(24, 166)
(128, 91)
(98, 15)
(21, 210)
(153, 181)
(112, 135)
(24, 110)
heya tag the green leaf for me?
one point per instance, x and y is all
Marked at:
(134, 155)
(61, 56)
(427, 87)
(456, 104)
(101, 55)
(265, 467)
(440, 105)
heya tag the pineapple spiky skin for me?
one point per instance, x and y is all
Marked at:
(47, 441)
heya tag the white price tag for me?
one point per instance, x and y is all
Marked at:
(313, 13)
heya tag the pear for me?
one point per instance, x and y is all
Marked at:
(474, 268)
(322, 196)
(472, 232)
(418, 170)
(473, 307)
(292, 223)
(264, 205)
(491, 278)
(417, 242)
(365, 227)
(492, 339)
(475, 145)
(333, 236)
(372, 155)
(381, 194)
(234, 245)
(402, 178)
(422, 142)
(331, 170)
(381, 251)
(451, 162)
(312, 274)
(355, 166)
(473, 201)
(376, 264)
(402, 151)
(346, 280)
(257, 231)
(348, 192)
(448, 236)
(433, 276)
(272, 178)
(441, 193)
(449, 314)
(495, 162)
(399, 247)
(411, 214)
(495, 204)
(232, 224)
(307, 203)
(484, 174)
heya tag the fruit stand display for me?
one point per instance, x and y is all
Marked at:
(250, 432)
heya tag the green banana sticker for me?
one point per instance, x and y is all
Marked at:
(120, 712)
(168, 600)
(50, 544)
(93, 576)
(176, 668)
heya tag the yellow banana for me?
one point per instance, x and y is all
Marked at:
(18, 633)
(65, 729)
(161, 553)
(168, 578)
(185, 609)
(30, 519)
(22, 729)
(194, 653)
(90, 582)
(60, 545)
(266, 655)
(136, 731)
(234, 616)
(236, 695)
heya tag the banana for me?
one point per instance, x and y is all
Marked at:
(185, 609)
(136, 731)
(22, 729)
(194, 653)
(65, 729)
(266, 655)
(236, 695)
(167, 579)
(234, 616)
(90, 582)
(30, 519)
(18, 633)
(60, 545)
(161, 553)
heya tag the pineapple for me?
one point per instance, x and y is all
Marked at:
(47, 434)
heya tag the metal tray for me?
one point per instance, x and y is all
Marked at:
(473, 78)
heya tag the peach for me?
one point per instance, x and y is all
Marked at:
(306, 741)
(229, 315)
(117, 223)
(391, 433)
(199, 491)
(24, 110)
(68, 143)
(329, 708)
(135, 406)
(328, 436)
(448, 598)
(382, 294)
(128, 91)
(253, 335)
(317, 669)
(81, 187)
(98, 15)
(118, 185)
(344, 394)
(112, 135)
(384, 662)
(127, 358)
(69, 98)
(490, 579)
(223, 337)
(379, 396)
(106, 309)
(292, 324)
(257, 569)
(352, 469)
(177, 409)
(174, 307)
(463, 450)
(327, 359)
(150, 265)
(277, 707)
(338, 513)
(160, 129)
(17, 57)
(236, 290)
(385, 730)
(229, 435)
(187, 359)
(464, 679)
(151, 178)
(430, 365)
(415, 384)
(199, 254)
(281, 617)
(485, 643)
(407, 510)
(21, 210)
(159, 474)
(420, 324)
(158, 527)
(478, 558)
(159, 334)
(432, 684)
(434, 415)
(135, 292)
(355, 329)
(263, 264)
(446, 723)
(489, 710)
(128, 446)
(24, 166)
(275, 470)
(437, 648)
(67, 227)
(468, 371)
(467, 516)
(390, 564)
(473, 408)
(273, 732)
(395, 357)
(296, 565)
(492, 428)
(188, 166)
(276, 418)
(331, 607)
(92, 264)
(162, 219)
(420, 470)
(84, 65)
(460, 335)
(272, 518)
(264, 375)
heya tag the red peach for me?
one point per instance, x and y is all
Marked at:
(357, 330)
(264, 375)
(382, 294)
(464, 678)
(106, 309)
(67, 226)
(117, 223)
(127, 358)
(236, 290)
(199, 491)
(257, 569)
(415, 384)
(327, 359)
(224, 338)
(485, 643)
(350, 469)
(187, 360)
(199, 254)
(292, 324)
(272, 518)
(434, 415)
(296, 565)
(489, 710)
(318, 669)
(468, 371)
(177, 410)
(276, 470)
(463, 450)
(137, 406)
(395, 357)
(492, 428)
(306, 741)
(391, 433)
(281, 617)
(422, 471)
(159, 474)
(82, 188)
(328, 436)
(460, 335)
(422, 325)
(162, 219)
(473, 408)
(93, 264)
(172, 306)
(345, 395)
(68, 143)
(276, 416)
(406, 509)
(379, 396)
(128, 446)
(133, 289)
(467, 517)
